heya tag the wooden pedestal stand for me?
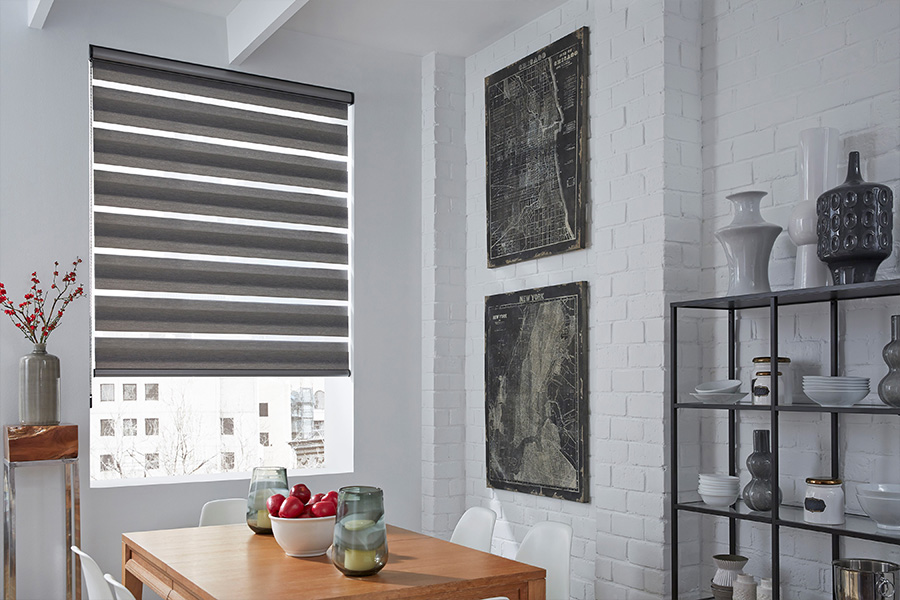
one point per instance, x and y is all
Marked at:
(32, 445)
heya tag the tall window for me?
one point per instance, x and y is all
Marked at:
(220, 256)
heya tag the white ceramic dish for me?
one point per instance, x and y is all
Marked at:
(719, 500)
(303, 537)
(879, 490)
(719, 398)
(718, 477)
(833, 386)
(722, 386)
(836, 397)
(884, 511)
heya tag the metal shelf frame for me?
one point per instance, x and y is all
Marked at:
(781, 516)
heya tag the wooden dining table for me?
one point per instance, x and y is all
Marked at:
(230, 562)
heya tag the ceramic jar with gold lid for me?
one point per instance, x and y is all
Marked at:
(762, 364)
(824, 502)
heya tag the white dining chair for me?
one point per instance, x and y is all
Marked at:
(475, 529)
(93, 577)
(549, 545)
(228, 511)
(121, 591)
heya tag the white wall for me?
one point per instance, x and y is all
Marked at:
(44, 187)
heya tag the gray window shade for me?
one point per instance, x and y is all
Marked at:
(220, 222)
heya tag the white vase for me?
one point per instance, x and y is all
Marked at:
(748, 242)
(819, 155)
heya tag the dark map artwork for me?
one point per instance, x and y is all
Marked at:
(536, 152)
(535, 391)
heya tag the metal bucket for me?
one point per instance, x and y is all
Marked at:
(865, 579)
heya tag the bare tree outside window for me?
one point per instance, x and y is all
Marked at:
(151, 426)
(107, 428)
(227, 425)
(107, 392)
(264, 438)
(129, 391)
(228, 461)
(151, 392)
(129, 427)
(107, 463)
(151, 460)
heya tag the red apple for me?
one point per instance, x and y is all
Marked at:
(323, 508)
(273, 504)
(332, 496)
(291, 508)
(318, 497)
(301, 492)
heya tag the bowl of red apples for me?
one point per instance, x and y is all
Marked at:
(303, 523)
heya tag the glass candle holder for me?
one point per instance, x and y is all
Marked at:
(360, 538)
(265, 482)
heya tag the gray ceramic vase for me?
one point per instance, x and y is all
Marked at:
(758, 493)
(39, 388)
(889, 387)
(854, 223)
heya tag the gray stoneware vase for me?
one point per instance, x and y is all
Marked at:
(854, 223)
(758, 493)
(748, 242)
(39, 388)
(889, 387)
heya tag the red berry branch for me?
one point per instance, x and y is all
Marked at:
(32, 317)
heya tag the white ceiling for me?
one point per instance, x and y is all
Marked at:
(455, 27)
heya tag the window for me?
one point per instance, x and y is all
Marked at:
(107, 392)
(107, 463)
(228, 461)
(263, 438)
(220, 246)
(107, 427)
(129, 427)
(151, 461)
(151, 426)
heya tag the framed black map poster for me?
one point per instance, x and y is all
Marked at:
(535, 382)
(536, 153)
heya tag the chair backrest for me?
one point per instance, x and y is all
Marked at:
(121, 591)
(475, 529)
(93, 577)
(549, 545)
(228, 511)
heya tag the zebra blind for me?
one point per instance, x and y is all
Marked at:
(220, 234)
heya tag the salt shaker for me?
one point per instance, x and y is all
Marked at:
(764, 590)
(744, 588)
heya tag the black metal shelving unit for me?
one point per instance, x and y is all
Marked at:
(781, 516)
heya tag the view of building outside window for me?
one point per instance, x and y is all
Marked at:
(205, 425)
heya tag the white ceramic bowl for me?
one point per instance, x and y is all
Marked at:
(718, 477)
(884, 511)
(303, 537)
(722, 386)
(719, 500)
(879, 490)
(729, 398)
(836, 397)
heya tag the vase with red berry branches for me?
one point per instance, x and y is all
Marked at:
(37, 316)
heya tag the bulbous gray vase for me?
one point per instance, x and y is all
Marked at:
(889, 387)
(758, 493)
(39, 388)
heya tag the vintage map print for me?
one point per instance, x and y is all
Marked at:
(536, 138)
(535, 391)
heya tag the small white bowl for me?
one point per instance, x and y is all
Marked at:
(303, 537)
(718, 477)
(884, 511)
(836, 397)
(721, 386)
(719, 500)
(879, 490)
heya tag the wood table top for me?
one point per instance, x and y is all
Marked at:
(230, 562)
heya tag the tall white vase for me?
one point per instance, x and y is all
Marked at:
(748, 242)
(819, 155)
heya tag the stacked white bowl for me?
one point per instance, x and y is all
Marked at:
(718, 490)
(881, 501)
(835, 391)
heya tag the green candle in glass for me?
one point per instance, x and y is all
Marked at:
(360, 538)
(265, 482)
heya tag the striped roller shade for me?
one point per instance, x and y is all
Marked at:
(220, 222)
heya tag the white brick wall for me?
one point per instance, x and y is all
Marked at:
(772, 68)
(443, 292)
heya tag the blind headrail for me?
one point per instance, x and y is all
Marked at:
(217, 74)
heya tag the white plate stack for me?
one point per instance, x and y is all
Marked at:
(718, 490)
(835, 391)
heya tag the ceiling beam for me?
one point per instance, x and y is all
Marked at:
(252, 22)
(37, 12)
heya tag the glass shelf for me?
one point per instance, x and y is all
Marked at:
(869, 409)
(854, 291)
